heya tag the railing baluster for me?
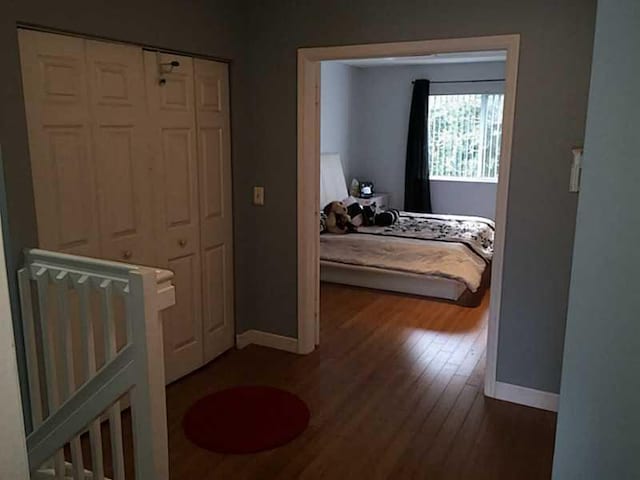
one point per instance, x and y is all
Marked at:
(42, 280)
(115, 419)
(89, 356)
(68, 364)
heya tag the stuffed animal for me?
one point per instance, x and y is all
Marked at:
(387, 218)
(369, 214)
(338, 220)
(355, 211)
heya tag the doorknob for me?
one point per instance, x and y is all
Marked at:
(182, 242)
(126, 254)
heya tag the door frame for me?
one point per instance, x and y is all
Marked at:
(308, 191)
(13, 456)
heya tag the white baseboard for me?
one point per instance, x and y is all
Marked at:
(527, 396)
(266, 339)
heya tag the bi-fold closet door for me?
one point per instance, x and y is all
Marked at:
(129, 168)
(190, 105)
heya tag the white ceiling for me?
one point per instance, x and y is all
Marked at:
(459, 57)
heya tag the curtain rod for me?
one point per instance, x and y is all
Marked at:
(467, 81)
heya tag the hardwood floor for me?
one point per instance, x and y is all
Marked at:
(395, 391)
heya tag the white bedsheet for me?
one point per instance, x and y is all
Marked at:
(449, 260)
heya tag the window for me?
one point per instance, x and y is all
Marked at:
(464, 135)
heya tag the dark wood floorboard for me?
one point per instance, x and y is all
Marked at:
(395, 391)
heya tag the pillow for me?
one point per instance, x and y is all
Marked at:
(323, 222)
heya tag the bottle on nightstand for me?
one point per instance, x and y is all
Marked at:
(354, 191)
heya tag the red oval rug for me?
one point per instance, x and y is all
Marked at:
(246, 419)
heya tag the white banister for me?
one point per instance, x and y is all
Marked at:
(69, 307)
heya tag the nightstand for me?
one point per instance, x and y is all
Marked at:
(380, 199)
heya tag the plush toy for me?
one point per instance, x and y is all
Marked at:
(387, 218)
(369, 214)
(338, 220)
(355, 211)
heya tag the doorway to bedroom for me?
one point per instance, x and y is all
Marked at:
(409, 149)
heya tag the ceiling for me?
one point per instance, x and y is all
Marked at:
(438, 58)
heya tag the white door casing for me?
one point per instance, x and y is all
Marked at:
(309, 171)
(13, 454)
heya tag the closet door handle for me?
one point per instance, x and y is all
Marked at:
(182, 242)
(127, 254)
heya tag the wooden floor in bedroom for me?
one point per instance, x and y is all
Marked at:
(395, 391)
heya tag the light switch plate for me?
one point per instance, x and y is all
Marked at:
(576, 170)
(258, 196)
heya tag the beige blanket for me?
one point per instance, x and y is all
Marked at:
(441, 259)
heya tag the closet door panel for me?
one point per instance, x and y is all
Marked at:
(214, 294)
(123, 161)
(214, 157)
(183, 323)
(68, 150)
(177, 210)
(179, 181)
(54, 79)
(176, 168)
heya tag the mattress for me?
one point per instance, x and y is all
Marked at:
(453, 261)
(453, 247)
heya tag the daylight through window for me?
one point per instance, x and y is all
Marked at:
(464, 136)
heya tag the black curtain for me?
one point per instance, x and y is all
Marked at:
(417, 195)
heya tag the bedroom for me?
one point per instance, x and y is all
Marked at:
(429, 239)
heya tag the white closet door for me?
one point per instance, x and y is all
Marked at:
(62, 165)
(214, 159)
(122, 158)
(66, 81)
(177, 209)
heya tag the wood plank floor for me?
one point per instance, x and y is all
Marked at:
(395, 391)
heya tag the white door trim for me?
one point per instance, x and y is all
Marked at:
(13, 454)
(309, 171)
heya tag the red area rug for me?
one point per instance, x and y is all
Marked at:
(246, 419)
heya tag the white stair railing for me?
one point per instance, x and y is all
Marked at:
(93, 338)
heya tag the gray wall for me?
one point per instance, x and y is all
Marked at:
(463, 198)
(599, 419)
(556, 41)
(382, 104)
(336, 106)
(209, 27)
(555, 58)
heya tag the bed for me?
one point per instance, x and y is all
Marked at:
(440, 256)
